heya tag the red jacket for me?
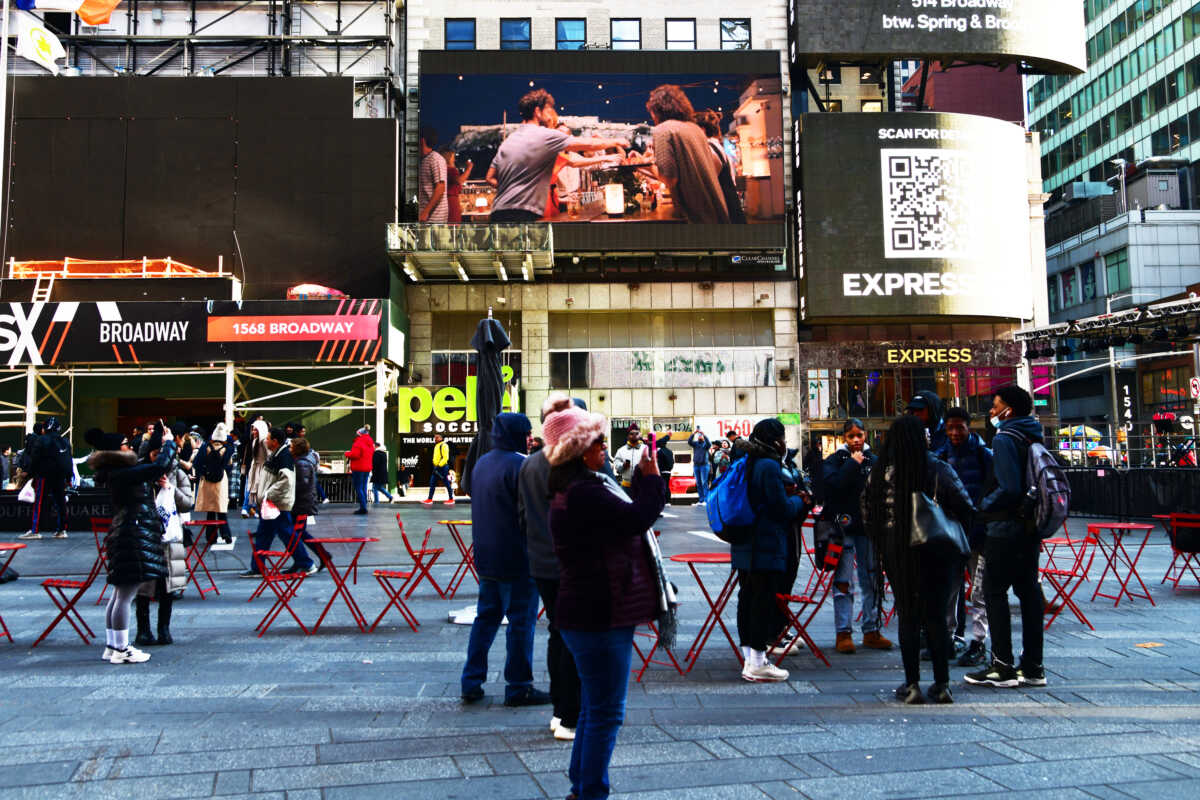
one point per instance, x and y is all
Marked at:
(361, 453)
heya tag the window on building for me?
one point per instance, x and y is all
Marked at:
(515, 34)
(570, 33)
(1116, 269)
(1052, 293)
(1087, 281)
(1070, 289)
(626, 34)
(681, 34)
(735, 34)
(460, 34)
(874, 106)
(833, 105)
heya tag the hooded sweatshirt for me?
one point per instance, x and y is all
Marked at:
(937, 427)
(499, 542)
(361, 453)
(1008, 485)
(843, 480)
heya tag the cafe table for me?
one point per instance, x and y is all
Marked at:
(339, 578)
(467, 564)
(1110, 537)
(716, 606)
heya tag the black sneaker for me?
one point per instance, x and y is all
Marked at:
(1031, 676)
(973, 656)
(910, 694)
(531, 697)
(473, 695)
(960, 646)
(939, 693)
(999, 674)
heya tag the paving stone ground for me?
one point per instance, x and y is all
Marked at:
(347, 715)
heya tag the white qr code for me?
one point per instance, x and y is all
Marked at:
(927, 207)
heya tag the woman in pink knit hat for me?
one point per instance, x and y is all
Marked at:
(606, 585)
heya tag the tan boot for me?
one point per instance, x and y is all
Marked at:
(845, 643)
(876, 641)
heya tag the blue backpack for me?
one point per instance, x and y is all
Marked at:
(730, 514)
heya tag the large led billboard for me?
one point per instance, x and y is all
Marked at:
(1046, 34)
(629, 144)
(913, 214)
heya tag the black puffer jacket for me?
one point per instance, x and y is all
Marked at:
(134, 542)
(306, 488)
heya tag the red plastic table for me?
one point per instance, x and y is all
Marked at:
(11, 548)
(339, 578)
(195, 555)
(715, 607)
(1118, 557)
(468, 556)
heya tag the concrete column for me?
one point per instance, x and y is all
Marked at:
(30, 398)
(380, 399)
(535, 361)
(229, 396)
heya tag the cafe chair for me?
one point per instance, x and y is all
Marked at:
(395, 598)
(1067, 581)
(271, 562)
(424, 557)
(100, 527)
(58, 588)
(284, 585)
(1184, 531)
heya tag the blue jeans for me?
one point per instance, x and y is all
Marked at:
(438, 476)
(603, 659)
(376, 488)
(282, 527)
(857, 549)
(360, 487)
(518, 600)
(246, 504)
(701, 471)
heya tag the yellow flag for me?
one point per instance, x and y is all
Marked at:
(36, 43)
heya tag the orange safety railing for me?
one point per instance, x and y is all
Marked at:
(87, 268)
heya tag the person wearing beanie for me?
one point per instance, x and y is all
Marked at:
(361, 455)
(927, 407)
(173, 498)
(213, 467)
(1010, 552)
(761, 561)
(606, 583)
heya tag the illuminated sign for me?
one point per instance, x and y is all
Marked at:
(445, 410)
(929, 355)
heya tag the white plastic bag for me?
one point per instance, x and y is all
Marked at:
(165, 500)
(268, 510)
(27, 494)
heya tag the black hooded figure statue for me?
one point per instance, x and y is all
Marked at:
(489, 342)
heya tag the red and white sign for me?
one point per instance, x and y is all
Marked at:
(1194, 384)
(294, 328)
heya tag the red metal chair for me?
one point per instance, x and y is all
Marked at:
(100, 526)
(385, 578)
(1184, 531)
(1067, 581)
(271, 562)
(800, 609)
(284, 585)
(57, 588)
(1050, 547)
(419, 556)
(647, 658)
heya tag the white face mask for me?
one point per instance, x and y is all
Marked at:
(996, 422)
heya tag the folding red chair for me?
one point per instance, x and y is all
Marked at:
(284, 585)
(100, 526)
(1184, 531)
(1050, 547)
(271, 562)
(647, 658)
(419, 556)
(806, 607)
(385, 578)
(1067, 581)
(57, 589)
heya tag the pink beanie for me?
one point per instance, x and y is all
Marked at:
(570, 432)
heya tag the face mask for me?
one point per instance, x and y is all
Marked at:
(996, 422)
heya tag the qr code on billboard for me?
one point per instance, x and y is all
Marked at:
(926, 208)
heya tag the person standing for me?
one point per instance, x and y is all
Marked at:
(213, 466)
(699, 444)
(51, 470)
(441, 471)
(6, 466)
(454, 183)
(666, 460)
(1011, 551)
(683, 159)
(379, 474)
(606, 586)
(927, 407)
(721, 459)
(629, 455)
(277, 486)
(922, 579)
(173, 497)
(505, 588)
(844, 476)
(431, 180)
(252, 463)
(361, 455)
(533, 508)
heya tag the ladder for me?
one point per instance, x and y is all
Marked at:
(42, 288)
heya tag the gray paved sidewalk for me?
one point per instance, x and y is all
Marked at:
(347, 715)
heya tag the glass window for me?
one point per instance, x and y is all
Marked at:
(570, 34)
(831, 74)
(873, 106)
(1116, 268)
(1052, 293)
(460, 34)
(626, 34)
(560, 370)
(515, 34)
(1087, 281)
(735, 34)
(1070, 289)
(681, 34)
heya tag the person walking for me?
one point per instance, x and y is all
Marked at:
(1011, 551)
(700, 445)
(761, 561)
(133, 545)
(533, 509)
(441, 471)
(361, 455)
(306, 497)
(922, 578)
(213, 467)
(379, 474)
(276, 493)
(606, 585)
(844, 476)
(51, 471)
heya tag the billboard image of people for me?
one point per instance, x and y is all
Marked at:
(595, 147)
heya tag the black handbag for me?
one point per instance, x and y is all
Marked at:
(935, 530)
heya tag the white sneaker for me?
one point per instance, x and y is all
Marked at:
(564, 734)
(30, 535)
(326, 500)
(108, 653)
(60, 535)
(767, 673)
(554, 723)
(245, 513)
(783, 646)
(130, 655)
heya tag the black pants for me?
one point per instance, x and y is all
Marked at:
(514, 215)
(1014, 563)
(222, 530)
(936, 580)
(56, 488)
(759, 619)
(564, 677)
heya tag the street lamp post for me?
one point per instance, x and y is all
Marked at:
(1112, 358)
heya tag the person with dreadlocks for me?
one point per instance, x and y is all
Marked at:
(922, 579)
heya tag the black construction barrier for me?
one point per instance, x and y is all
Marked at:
(1133, 493)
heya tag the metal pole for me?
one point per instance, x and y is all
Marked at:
(380, 399)
(1112, 377)
(30, 397)
(229, 395)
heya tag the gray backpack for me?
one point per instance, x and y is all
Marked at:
(1048, 500)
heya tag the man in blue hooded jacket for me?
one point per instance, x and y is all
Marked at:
(927, 407)
(505, 586)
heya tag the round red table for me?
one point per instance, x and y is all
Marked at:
(1118, 557)
(715, 607)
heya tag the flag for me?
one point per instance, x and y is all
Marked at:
(36, 43)
(93, 12)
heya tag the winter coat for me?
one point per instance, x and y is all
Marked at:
(133, 545)
(181, 483)
(306, 487)
(254, 473)
(379, 467)
(1008, 484)
(939, 477)
(175, 555)
(605, 578)
(767, 549)
(842, 481)
(51, 458)
(937, 429)
(973, 464)
(499, 543)
(533, 508)
(699, 444)
(277, 481)
(665, 458)
(361, 453)
(213, 496)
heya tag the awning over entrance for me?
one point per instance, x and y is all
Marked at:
(515, 252)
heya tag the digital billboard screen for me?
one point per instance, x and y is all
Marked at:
(584, 139)
(914, 214)
(1047, 34)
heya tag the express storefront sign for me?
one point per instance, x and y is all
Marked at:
(929, 355)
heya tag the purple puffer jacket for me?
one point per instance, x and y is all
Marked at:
(605, 579)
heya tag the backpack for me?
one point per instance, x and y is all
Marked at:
(1048, 499)
(214, 466)
(730, 514)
